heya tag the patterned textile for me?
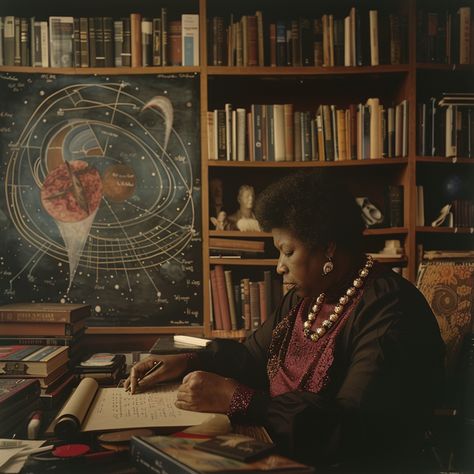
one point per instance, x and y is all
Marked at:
(447, 284)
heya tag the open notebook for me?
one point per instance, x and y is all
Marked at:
(92, 408)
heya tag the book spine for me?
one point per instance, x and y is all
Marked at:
(262, 300)
(223, 300)
(190, 39)
(245, 292)
(118, 42)
(254, 294)
(216, 302)
(32, 316)
(8, 40)
(150, 459)
(146, 38)
(394, 213)
(374, 37)
(230, 296)
(136, 39)
(108, 26)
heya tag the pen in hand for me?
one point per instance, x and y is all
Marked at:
(156, 365)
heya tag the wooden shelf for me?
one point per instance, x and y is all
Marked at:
(266, 235)
(445, 67)
(249, 262)
(113, 71)
(306, 164)
(386, 231)
(445, 230)
(304, 71)
(443, 160)
(238, 233)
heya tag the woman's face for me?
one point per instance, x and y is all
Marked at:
(300, 266)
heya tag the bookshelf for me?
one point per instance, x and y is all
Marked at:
(305, 87)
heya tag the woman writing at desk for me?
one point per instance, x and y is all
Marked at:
(345, 371)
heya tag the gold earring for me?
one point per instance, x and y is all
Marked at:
(328, 267)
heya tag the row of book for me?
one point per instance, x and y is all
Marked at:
(66, 41)
(446, 127)
(242, 304)
(361, 38)
(276, 132)
(445, 37)
(43, 342)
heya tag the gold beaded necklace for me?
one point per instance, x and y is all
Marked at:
(352, 291)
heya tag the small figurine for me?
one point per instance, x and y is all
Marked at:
(244, 219)
(220, 222)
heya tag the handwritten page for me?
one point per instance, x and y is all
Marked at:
(114, 408)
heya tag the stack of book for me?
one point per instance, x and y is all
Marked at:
(47, 364)
(105, 368)
(50, 327)
(19, 397)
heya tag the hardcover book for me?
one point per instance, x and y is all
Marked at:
(242, 448)
(179, 456)
(31, 360)
(44, 312)
(12, 390)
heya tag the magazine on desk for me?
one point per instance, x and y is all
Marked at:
(92, 408)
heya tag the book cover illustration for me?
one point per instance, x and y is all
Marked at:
(101, 195)
(242, 448)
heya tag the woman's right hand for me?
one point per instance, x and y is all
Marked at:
(174, 366)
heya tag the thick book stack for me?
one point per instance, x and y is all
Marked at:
(47, 364)
(54, 325)
(105, 372)
(278, 132)
(445, 127)
(242, 303)
(66, 41)
(445, 36)
(19, 397)
(361, 38)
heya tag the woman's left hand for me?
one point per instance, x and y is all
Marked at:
(205, 391)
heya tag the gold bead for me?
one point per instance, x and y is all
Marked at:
(344, 299)
(321, 331)
(315, 308)
(307, 324)
(364, 272)
(357, 282)
(327, 324)
(311, 317)
(333, 318)
(320, 298)
(314, 337)
(338, 309)
(351, 291)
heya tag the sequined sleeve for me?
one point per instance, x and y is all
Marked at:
(240, 401)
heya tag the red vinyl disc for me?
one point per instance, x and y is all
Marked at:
(71, 450)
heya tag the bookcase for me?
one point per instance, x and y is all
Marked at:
(276, 68)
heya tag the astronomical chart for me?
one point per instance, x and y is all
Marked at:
(101, 195)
